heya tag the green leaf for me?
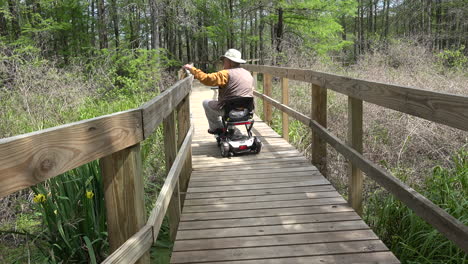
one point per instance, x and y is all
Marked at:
(89, 246)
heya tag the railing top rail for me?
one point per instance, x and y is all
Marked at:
(449, 226)
(31, 158)
(443, 108)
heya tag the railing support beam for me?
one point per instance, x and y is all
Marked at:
(285, 101)
(170, 150)
(124, 196)
(183, 126)
(319, 114)
(267, 90)
(355, 141)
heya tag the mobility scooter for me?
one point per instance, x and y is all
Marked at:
(238, 111)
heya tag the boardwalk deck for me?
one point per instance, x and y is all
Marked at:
(274, 207)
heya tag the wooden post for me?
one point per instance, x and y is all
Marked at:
(183, 121)
(319, 114)
(255, 77)
(170, 150)
(355, 141)
(124, 196)
(285, 101)
(267, 112)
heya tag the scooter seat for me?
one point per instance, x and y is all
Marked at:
(237, 115)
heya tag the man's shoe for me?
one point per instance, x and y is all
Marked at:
(215, 131)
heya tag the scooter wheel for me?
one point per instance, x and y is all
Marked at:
(218, 140)
(224, 149)
(258, 145)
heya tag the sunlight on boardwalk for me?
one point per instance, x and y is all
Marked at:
(274, 207)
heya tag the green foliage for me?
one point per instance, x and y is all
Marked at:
(455, 59)
(72, 209)
(409, 237)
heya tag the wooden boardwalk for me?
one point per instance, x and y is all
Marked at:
(274, 207)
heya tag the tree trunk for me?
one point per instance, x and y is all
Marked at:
(102, 25)
(279, 30)
(154, 24)
(15, 27)
(260, 33)
(115, 22)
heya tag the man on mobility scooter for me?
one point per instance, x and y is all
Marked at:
(234, 105)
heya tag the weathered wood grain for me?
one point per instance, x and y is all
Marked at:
(447, 109)
(285, 101)
(319, 114)
(384, 257)
(170, 152)
(123, 191)
(267, 89)
(28, 159)
(446, 224)
(162, 105)
(275, 240)
(278, 251)
(355, 141)
(269, 221)
(157, 214)
(133, 249)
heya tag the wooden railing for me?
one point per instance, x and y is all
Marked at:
(447, 109)
(114, 139)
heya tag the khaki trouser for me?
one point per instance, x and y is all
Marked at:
(213, 114)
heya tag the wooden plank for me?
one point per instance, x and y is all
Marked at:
(267, 89)
(319, 114)
(447, 109)
(223, 162)
(253, 167)
(275, 240)
(312, 182)
(446, 224)
(133, 249)
(263, 198)
(285, 101)
(258, 192)
(385, 257)
(271, 230)
(355, 141)
(278, 251)
(263, 205)
(319, 209)
(170, 151)
(29, 159)
(123, 191)
(233, 176)
(162, 203)
(161, 106)
(307, 167)
(251, 181)
(270, 221)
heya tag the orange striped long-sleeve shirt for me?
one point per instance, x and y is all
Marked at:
(219, 78)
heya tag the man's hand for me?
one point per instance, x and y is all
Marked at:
(188, 66)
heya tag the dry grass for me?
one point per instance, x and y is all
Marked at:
(406, 145)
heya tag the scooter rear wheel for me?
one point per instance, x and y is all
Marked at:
(224, 149)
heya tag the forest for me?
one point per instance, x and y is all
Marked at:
(68, 60)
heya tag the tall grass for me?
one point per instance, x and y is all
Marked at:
(409, 237)
(73, 214)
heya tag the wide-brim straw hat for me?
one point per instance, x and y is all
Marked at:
(233, 55)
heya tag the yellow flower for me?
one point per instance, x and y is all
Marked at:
(55, 212)
(40, 198)
(89, 194)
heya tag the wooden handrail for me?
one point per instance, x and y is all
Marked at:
(446, 224)
(447, 109)
(29, 159)
(139, 243)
